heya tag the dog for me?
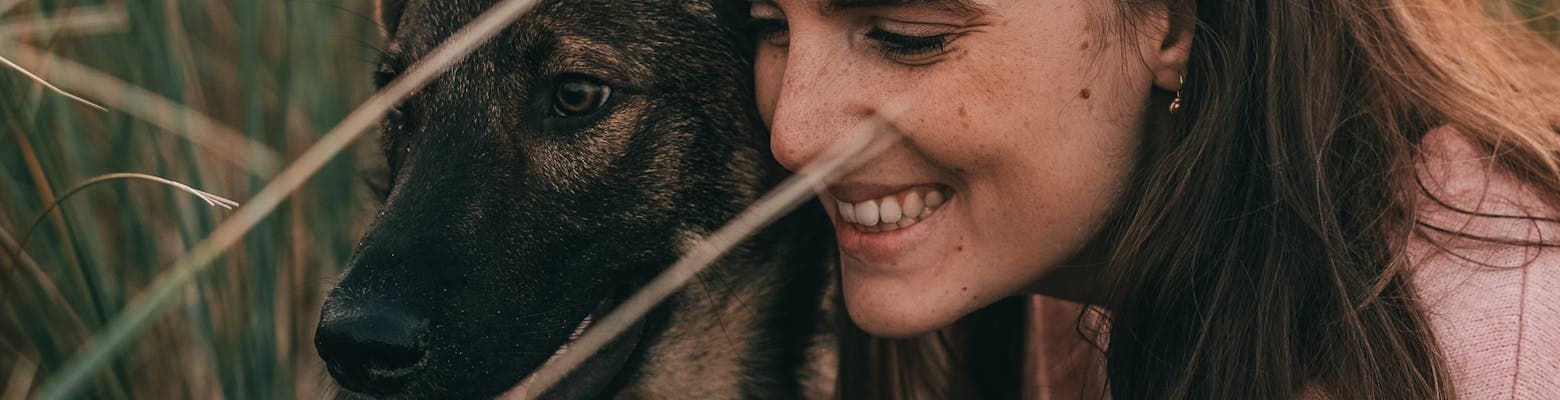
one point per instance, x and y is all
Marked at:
(550, 174)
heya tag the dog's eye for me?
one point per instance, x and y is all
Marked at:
(576, 96)
(383, 75)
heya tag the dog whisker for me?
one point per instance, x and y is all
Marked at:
(721, 322)
(560, 308)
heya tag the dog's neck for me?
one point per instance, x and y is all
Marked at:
(750, 326)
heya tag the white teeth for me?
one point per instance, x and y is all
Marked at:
(867, 213)
(912, 207)
(934, 200)
(889, 212)
(892, 212)
(847, 211)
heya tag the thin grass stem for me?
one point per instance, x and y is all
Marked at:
(51, 86)
(72, 22)
(17, 247)
(46, 195)
(222, 141)
(210, 199)
(50, 289)
(20, 381)
(868, 140)
(96, 354)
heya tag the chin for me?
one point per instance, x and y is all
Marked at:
(894, 310)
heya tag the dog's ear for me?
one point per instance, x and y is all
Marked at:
(388, 14)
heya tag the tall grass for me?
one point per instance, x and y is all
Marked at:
(215, 94)
(274, 74)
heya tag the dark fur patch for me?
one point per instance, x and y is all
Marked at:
(505, 224)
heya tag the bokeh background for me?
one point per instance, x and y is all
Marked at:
(271, 76)
(218, 95)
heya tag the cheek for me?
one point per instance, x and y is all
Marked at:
(1042, 164)
(1056, 109)
(768, 75)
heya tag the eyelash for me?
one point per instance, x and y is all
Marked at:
(766, 29)
(890, 44)
(894, 45)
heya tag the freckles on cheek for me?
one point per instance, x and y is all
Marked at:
(956, 142)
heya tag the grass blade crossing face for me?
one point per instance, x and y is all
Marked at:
(867, 140)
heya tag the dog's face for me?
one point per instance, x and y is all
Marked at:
(544, 177)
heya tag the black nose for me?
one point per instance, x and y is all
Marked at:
(370, 349)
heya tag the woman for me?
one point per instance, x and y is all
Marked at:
(1266, 199)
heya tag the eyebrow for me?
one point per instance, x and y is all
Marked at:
(959, 6)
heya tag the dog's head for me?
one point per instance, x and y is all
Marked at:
(545, 176)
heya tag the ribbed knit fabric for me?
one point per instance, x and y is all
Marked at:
(1494, 307)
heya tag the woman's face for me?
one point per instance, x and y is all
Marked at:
(1022, 122)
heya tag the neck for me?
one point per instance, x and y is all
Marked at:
(1075, 283)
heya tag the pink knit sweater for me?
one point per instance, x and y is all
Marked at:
(1495, 308)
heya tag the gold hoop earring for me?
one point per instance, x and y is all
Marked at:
(1175, 104)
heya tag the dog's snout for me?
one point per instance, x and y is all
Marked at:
(371, 349)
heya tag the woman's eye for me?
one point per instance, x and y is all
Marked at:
(773, 32)
(767, 22)
(384, 74)
(576, 96)
(908, 48)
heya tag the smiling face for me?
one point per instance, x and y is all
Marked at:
(1023, 123)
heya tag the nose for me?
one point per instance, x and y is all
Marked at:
(371, 349)
(820, 95)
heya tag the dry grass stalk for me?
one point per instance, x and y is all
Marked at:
(865, 142)
(73, 376)
(220, 140)
(71, 22)
(14, 251)
(17, 385)
(46, 84)
(16, 248)
(210, 199)
(46, 195)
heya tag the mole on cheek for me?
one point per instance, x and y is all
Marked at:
(1084, 93)
(1083, 46)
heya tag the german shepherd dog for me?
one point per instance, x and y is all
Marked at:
(545, 178)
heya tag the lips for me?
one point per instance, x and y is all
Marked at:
(878, 226)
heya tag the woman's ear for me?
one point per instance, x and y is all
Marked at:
(388, 15)
(1171, 49)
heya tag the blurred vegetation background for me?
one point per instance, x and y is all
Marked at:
(271, 75)
(216, 94)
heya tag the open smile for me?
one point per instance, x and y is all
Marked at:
(894, 211)
(880, 228)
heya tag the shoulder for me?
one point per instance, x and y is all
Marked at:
(1491, 295)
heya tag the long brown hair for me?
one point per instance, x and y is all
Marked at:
(1261, 254)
